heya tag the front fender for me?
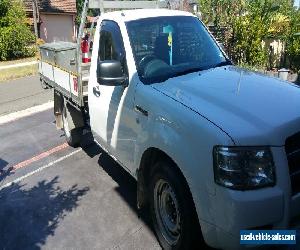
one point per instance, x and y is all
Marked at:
(186, 137)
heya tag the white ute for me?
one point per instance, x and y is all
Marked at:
(214, 148)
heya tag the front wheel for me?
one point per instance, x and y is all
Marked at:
(172, 209)
(73, 136)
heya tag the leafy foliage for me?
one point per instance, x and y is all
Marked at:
(293, 41)
(15, 34)
(79, 5)
(247, 33)
(248, 22)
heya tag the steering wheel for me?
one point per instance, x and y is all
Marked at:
(144, 61)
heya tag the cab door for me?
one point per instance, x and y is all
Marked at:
(111, 108)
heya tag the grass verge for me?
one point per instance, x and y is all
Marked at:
(29, 59)
(18, 72)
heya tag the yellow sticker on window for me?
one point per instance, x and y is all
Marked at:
(170, 40)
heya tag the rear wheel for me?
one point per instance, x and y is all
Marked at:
(172, 209)
(73, 136)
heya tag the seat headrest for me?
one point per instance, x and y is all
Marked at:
(161, 48)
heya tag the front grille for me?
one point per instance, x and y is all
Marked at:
(292, 148)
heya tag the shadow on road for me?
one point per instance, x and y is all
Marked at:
(4, 172)
(127, 186)
(29, 215)
(3, 164)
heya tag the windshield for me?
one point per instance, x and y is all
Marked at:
(166, 47)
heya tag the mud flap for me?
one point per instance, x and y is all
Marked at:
(58, 108)
(141, 197)
(74, 116)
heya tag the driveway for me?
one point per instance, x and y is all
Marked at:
(21, 94)
(56, 197)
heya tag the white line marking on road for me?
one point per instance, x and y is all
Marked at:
(39, 169)
(18, 65)
(24, 113)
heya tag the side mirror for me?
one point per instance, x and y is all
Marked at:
(110, 73)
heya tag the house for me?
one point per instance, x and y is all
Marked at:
(55, 18)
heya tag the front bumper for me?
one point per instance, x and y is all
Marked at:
(267, 208)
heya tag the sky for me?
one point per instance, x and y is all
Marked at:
(297, 3)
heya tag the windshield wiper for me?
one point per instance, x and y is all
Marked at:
(165, 77)
(221, 64)
(196, 69)
(188, 71)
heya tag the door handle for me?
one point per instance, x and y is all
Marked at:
(96, 91)
(72, 62)
(141, 110)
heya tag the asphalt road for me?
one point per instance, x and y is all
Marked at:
(56, 197)
(22, 94)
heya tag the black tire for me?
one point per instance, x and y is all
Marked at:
(189, 235)
(74, 136)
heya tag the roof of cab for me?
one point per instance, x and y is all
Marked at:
(130, 15)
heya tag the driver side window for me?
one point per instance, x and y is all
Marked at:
(107, 49)
(111, 46)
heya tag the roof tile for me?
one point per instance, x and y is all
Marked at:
(53, 6)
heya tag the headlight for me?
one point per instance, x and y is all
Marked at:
(244, 168)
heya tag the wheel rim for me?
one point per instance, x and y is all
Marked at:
(167, 212)
(66, 125)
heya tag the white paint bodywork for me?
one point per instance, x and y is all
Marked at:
(47, 70)
(60, 78)
(187, 117)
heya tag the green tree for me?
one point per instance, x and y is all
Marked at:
(249, 30)
(15, 33)
(293, 41)
(79, 5)
(247, 24)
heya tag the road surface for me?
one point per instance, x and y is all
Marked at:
(56, 197)
(22, 94)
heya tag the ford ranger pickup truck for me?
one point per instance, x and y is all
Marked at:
(214, 148)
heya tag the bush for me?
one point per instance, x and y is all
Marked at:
(40, 42)
(248, 24)
(293, 42)
(247, 41)
(15, 33)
